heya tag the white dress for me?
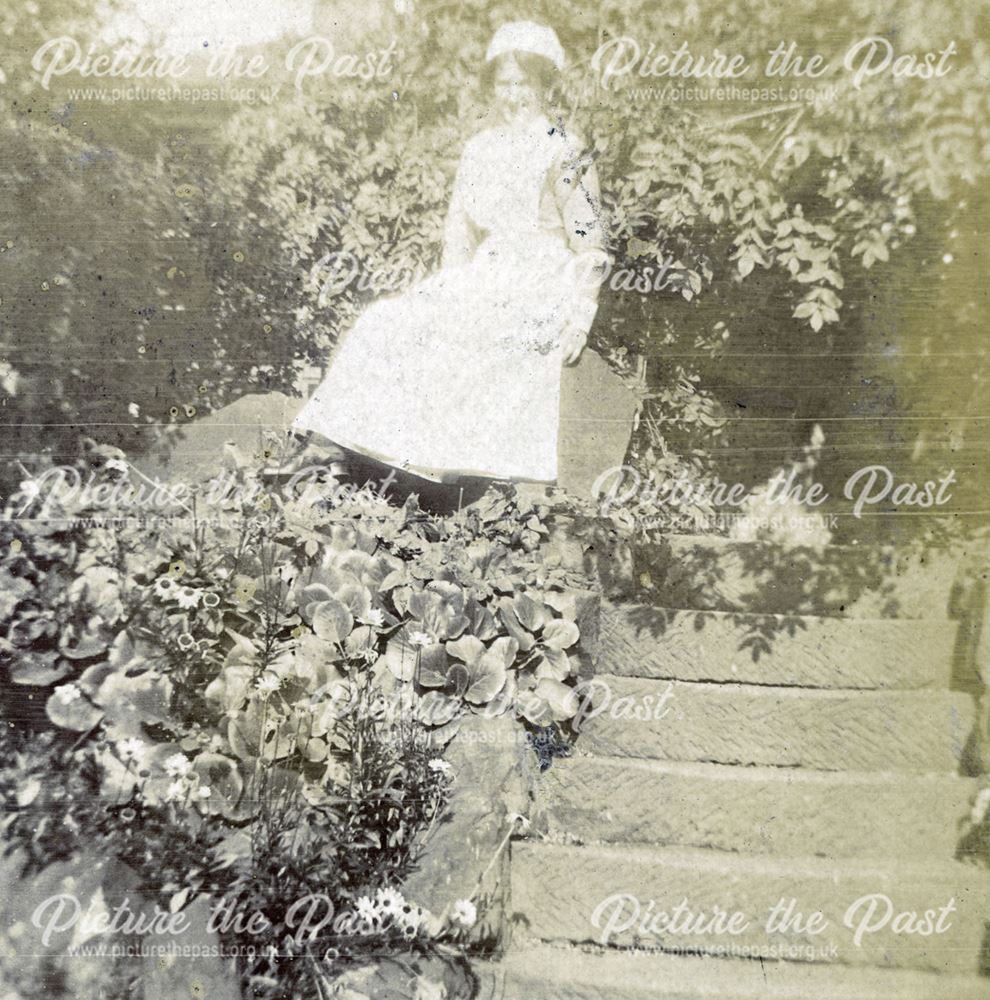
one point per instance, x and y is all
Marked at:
(460, 374)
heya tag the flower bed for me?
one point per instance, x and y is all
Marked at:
(250, 705)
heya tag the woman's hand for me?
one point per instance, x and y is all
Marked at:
(572, 344)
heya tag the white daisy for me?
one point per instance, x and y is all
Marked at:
(464, 913)
(367, 910)
(390, 902)
(268, 683)
(178, 765)
(187, 597)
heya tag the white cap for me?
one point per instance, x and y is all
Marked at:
(527, 36)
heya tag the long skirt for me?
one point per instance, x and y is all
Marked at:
(460, 374)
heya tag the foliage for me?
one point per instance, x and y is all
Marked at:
(738, 218)
(251, 702)
(725, 221)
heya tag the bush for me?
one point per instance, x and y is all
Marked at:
(251, 703)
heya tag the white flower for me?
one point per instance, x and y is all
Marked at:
(464, 913)
(131, 749)
(369, 655)
(420, 639)
(439, 765)
(186, 641)
(210, 600)
(981, 805)
(175, 791)
(390, 902)
(164, 586)
(187, 597)
(178, 765)
(367, 910)
(67, 693)
(268, 683)
(374, 617)
(204, 791)
(407, 918)
(134, 410)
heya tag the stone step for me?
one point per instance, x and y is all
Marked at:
(755, 810)
(642, 641)
(572, 974)
(777, 726)
(610, 896)
(709, 572)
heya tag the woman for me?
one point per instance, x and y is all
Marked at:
(459, 376)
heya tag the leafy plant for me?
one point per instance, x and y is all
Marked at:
(265, 685)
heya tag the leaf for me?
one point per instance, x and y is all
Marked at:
(433, 666)
(436, 708)
(39, 669)
(459, 679)
(356, 598)
(401, 655)
(511, 624)
(554, 664)
(310, 598)
(564, 603)
(130, 702)
(483, 624)
(396, 578)
(178, 900)
(78, 714)
(86, 646)
(531, 614)
(489, 674)
(560, 634)
(92, 677)
(468, 648)
(332, 621)
(561, 700)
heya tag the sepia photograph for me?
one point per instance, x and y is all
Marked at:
(494, 503)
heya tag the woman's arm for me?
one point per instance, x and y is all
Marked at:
(579, 202)
(460, 238)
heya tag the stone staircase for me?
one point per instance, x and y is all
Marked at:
(806, 761)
